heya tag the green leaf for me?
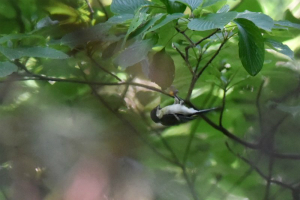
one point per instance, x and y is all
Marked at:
(279, 47)
(287, 24)
(150, 23)
(134, 53)
(173, 7)
(253, 6)
(251, 46)
(162, 69)
(138, 19)
(165, 21)
(260, 20)
(42, 52)
(211, 21)
(95, 33)
(192, 4)
(7, 68)
(10, 37)
(210, 2)
(126, 6)
(224, 9)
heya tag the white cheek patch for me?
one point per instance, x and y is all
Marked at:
(176, 109)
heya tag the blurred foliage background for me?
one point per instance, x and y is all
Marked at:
(92, 138)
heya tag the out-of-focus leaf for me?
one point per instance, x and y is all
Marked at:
(192, 4)
(293, 110)
(99, 32)
(42, 52)
(10, 37)
(168, 19)
(211, 21)
(81, 37)
(7, 68)
(251, 46)
(134, 53)
(287, 24)
(253, 6)
(126, 6)
(290, 17)
(162, 69)
(260, 20)
(279, 47)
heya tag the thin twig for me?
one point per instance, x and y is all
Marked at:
(103, 69)
(127, 123)
(194, 79)
(259, 171)
(258, 106)
(91, 9)
(222, 108)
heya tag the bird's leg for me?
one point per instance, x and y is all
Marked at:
(177, 100)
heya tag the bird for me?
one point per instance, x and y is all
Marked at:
(176, 113)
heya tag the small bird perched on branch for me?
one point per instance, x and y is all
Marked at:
(176, 113)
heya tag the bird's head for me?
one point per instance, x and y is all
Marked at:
(153, 114)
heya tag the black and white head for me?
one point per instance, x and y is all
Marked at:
(153, 114)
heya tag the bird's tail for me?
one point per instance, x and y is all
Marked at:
(207, 110)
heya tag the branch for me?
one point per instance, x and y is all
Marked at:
(127, 123)
(222, 108)
(195, 78)
(103, 69)
(253, 166)
(91, 10)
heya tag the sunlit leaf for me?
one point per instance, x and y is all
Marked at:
(211, 21)
(279, 47)
(7, 68)
(251, 46)
(260, 20)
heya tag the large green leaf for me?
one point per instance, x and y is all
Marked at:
(251, 46)
(212, 21)
(6, 38)
(42, 52)
(287, 24)
(95, 33)
(138, 19)
(162, 69)
(260, 20)
(207, 3)
(134, 53)
(7, 68)
(168, 19)
(192, 4)
(279, 47)
(126, 6)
